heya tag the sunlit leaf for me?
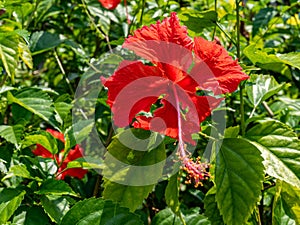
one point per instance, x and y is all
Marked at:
(10, 199)
(11, 133)
(267, 61)
(239, 170)
(280, 148)
(9, 54)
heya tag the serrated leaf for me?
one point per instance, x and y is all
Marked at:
(55, 187)
(239, 174)
(11, 133)
(99, 212)
(131, 172)
(211, 207)
(37, 102)
(10, 199)
(263, 87)
(43, 138)
(25, 54)
(55, 206)
(9, 54)
(166, 217)
(280, 148)
(172, 193)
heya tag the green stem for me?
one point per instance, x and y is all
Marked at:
(238, 53)
(226, 34)
(63, 71)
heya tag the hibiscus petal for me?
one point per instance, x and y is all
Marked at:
(56, 134)
(134, 88)
(75, 153)
(169, 30)
(214, 69)
(41, 151)
(109, 4)
(164, 42)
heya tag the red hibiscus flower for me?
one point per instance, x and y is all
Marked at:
(109, 4)
(165, 95)
(75, 153)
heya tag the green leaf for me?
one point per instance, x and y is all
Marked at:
(42, 41)
(286, 206)
(196, 219)
(239, 170)
(25, 54)
(55, 187)
(11, 133)
(31, 216)
(55, 206)
(86, 163)
(99, 212)
(267, 61)
(291, 58)
(232, 132)
(78, 132)
(166, 217)
(132, 172)
(197, 21)
(263, 87)
(211, 207)
(37, 102)
(9, 53)
(45, 139)
(19, 171)
(172, 193)
(280, 148)
(10, 199)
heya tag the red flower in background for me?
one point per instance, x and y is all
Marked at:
(180, 69)
(109, 4)
(75, 153)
